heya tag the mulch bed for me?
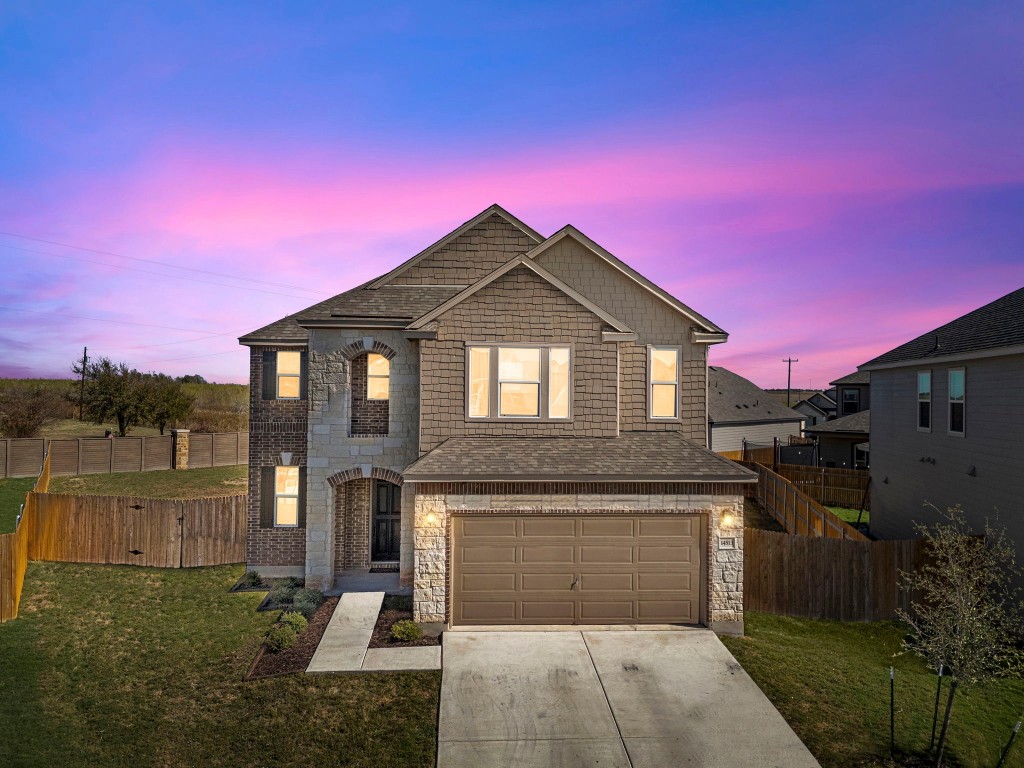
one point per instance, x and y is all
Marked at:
(394, 609)
(296, 658)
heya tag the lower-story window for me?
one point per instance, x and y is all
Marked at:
(283, 497)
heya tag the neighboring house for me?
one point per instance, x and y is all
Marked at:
(517, 424)
(843, 442)
(738, 409)
(949, 423)
(817, 409)
(853, 393)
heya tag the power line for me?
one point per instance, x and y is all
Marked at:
(162, 263)
(167, 343)
(192, 357)
(119, 322)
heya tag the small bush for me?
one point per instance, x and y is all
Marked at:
(282, 595)
(308, 596)
(295, 620)
(294, 582)
(306, 607)
(252, 579)
(280, 637)
(406, 631)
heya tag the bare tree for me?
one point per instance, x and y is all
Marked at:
(967, 611)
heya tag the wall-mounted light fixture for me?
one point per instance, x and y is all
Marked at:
(727, 520)
(431, 518)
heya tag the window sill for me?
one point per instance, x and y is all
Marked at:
(515, 420)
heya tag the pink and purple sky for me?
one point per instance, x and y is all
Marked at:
(823, 180)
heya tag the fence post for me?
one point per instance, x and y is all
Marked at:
(179, 448)
(775, 454)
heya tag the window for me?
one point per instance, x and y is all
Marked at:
(663, 394)
(378, 377)
(518, 382)
(957, 400)
(924, 401)
(851, 401)
(286, 497)
(289, 370)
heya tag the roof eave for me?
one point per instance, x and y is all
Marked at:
(428, 477)
(1016, 349)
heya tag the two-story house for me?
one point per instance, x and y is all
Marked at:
(853, 393)
(947, 421)
(517, 424)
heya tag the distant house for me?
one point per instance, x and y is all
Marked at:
(817, 409)
(949, 423)
(853, 393)
(738, 409)
(843, 442)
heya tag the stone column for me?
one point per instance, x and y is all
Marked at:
(725, 601)
(179, 449)
(429, 589)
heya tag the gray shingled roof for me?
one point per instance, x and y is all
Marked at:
(857, 377)
(857, 422)
(731, 399)
(999, 324)
(631, 457)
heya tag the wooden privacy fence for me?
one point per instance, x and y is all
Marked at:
(829, 485)
(795, 511)
(14, 548)
(820, 578)
(221, 449)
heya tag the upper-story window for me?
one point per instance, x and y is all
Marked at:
(378, 377)
(851, 401)
(518, 382)
(289, 370)
(924, 401)
(663, 386)
(957, 400)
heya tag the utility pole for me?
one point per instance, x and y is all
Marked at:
(81, 386)
(789, 378)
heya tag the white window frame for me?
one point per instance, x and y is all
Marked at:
(950, 402)
(651, 349)
(920, 399)
(386, 377)
(278, 375)
(494, 383)
(295, 496)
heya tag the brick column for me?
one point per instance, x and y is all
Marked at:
(179, 449)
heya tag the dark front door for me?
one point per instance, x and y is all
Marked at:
(387, 521)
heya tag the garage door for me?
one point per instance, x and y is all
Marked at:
(577, 569)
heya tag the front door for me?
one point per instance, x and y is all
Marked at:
(387, 522)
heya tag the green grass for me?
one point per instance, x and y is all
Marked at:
(126, 666)
(830, 680)
(12, 496)
(70, 428)
(162, 484)
(850, 515)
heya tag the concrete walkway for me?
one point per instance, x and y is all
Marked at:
(629, 699)
(343, 647)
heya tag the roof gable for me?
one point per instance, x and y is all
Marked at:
(495, 210)
(520, 261)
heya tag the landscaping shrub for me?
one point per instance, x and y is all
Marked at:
(406, 631)
(280, 637)
(295, 620)
(252, 579)
(293, 581)
(308, 595)
(282, 595)
(306, 607)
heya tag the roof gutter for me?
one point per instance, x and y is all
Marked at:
(1017, 349)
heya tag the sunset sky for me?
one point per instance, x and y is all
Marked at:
(823, 180)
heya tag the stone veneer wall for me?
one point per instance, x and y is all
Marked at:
(334, 451)
(724, 567)
(274, 426)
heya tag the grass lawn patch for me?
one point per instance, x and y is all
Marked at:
(161, 484)
(129, 666)
(63, 429)
(12, 496)
(850, 515)
(755, 517)
(830, 680)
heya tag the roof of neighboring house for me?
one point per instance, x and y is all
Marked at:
(631, 457)
(731, 398)
(995, 325)
(857, 377)
(827, 398)
(859, 423)
(809, 404)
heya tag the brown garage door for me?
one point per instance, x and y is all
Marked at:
(577, 569)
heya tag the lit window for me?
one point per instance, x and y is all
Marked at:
(924, 400)
(289, 370)
(479, 381)
(663, 396)
(286, 497)
(957, 400)
(378, 377)
(558, 383)
(518, 382)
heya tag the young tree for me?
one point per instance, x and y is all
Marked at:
(113, 392)
(968, 613)
(167, 402)
(26, 409)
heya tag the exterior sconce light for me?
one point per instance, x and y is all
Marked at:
(431, 518)
(726, 521)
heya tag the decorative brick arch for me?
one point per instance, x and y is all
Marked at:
(356, 473)
(357, 348)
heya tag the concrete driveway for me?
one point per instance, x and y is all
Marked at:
(646, 699)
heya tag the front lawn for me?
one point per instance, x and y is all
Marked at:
(830, 680)
(127, 666)
(160, 484)
(12, 496)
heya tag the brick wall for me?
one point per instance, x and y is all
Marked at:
(274, 426)
(520, 307)
(352, 524)
(369, 417)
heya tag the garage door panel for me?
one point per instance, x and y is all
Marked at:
(601, 582)
(541, 553)
(489, 611)
(483, 554)
(607, 555)
(665, 610)
(488, 526)
(539, 582)
(612, 526)
(548, 612)
(649, 581)
(667, 526)
(606, 610)
(488, 582)
(676, 554)
(549, 526)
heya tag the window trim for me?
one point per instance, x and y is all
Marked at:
(950, 402)
(493, 400)
(931, 410)
(278, 375)
(386, 377)
(297, 495)
(678, 349)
